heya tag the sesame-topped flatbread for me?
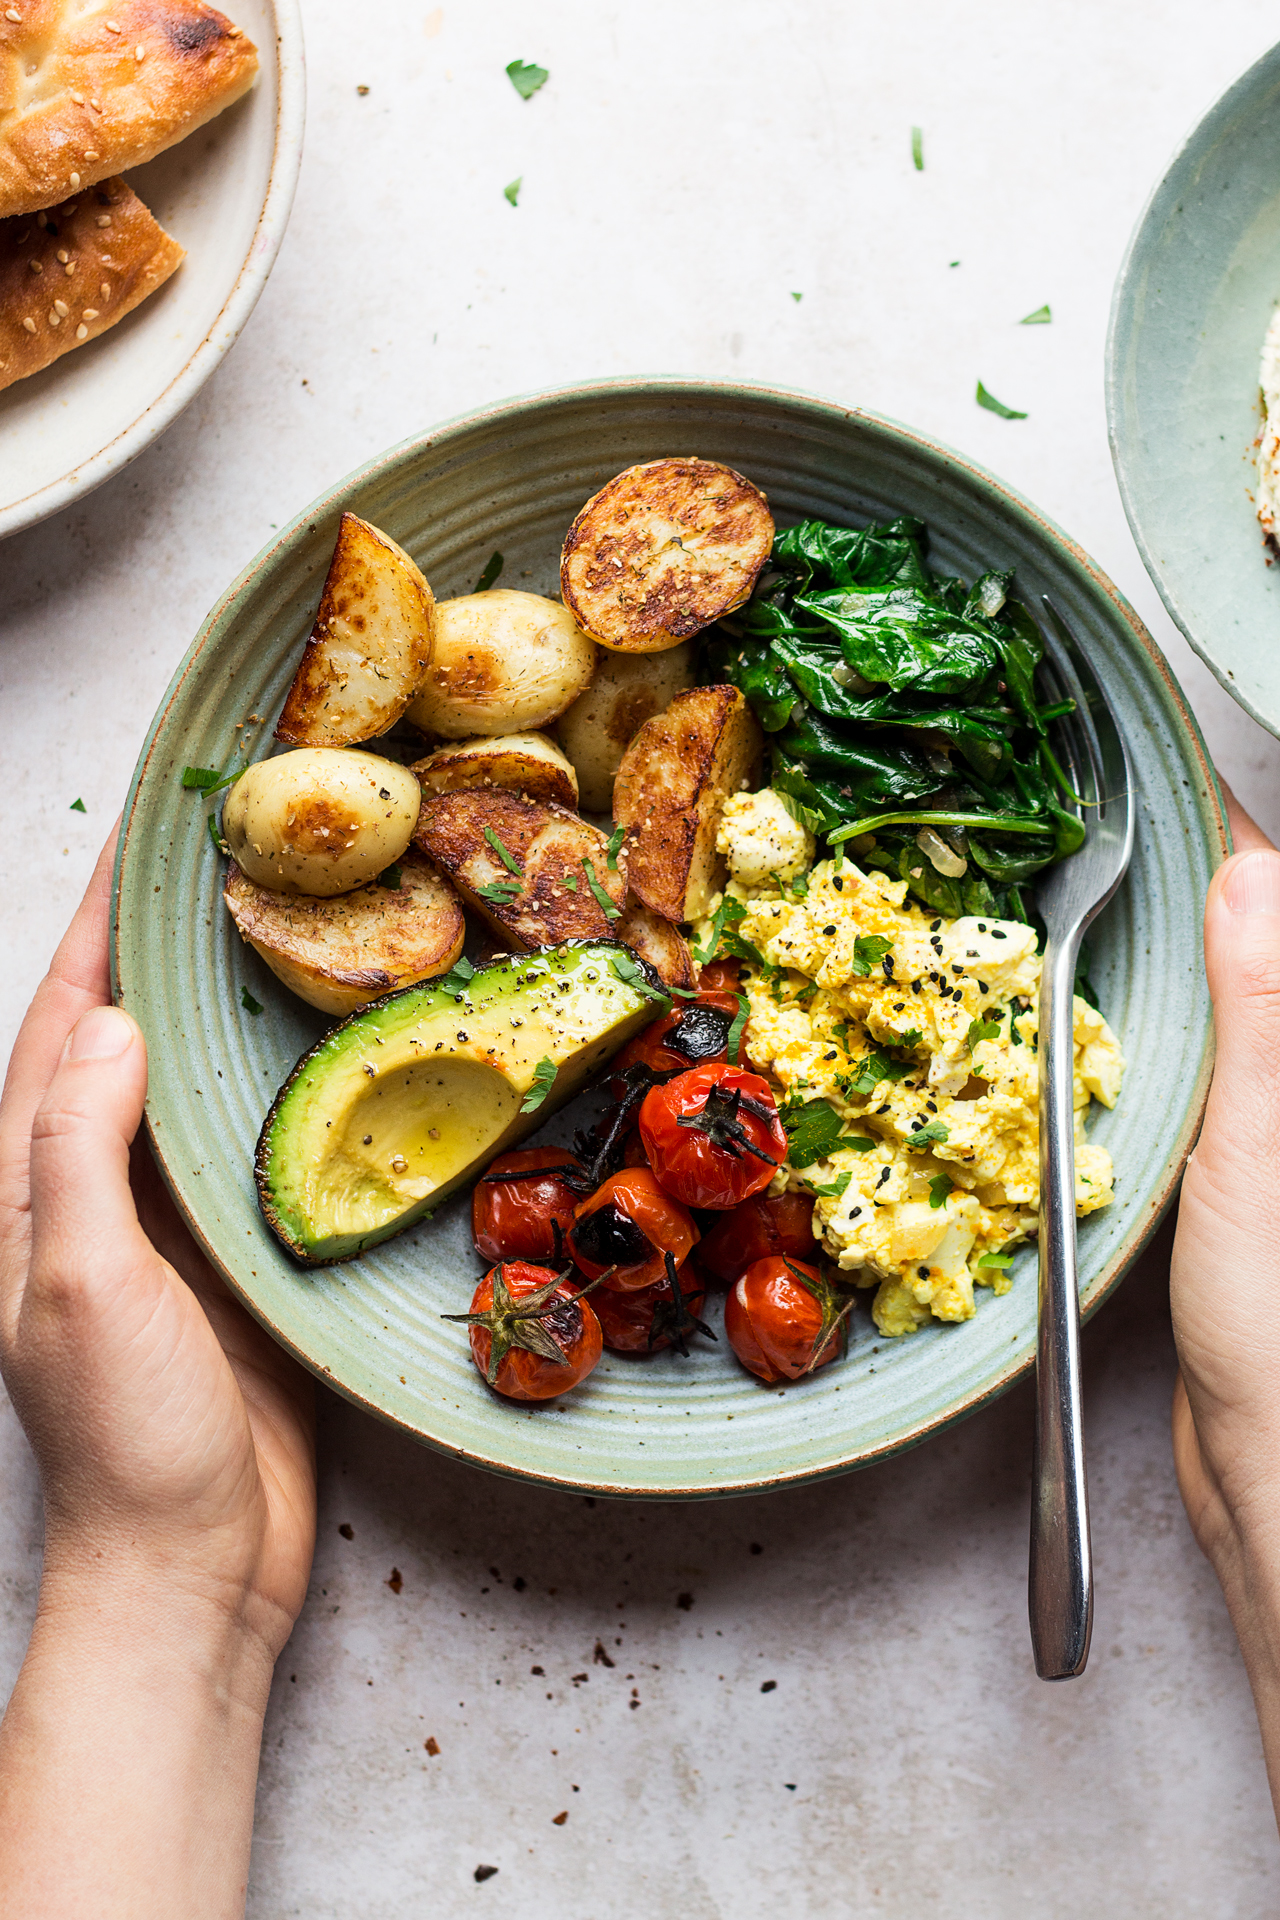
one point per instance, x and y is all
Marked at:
(69, 274)
(87, 90)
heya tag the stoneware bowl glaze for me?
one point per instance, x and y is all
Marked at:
(511, 478)
(225, 194)
(1191, 306)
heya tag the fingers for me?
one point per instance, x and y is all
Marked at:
(83, 1219)
(1242, 958)
(77, 979)
(1245, 831)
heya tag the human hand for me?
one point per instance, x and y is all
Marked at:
(174, 1441)
(1226, 1269)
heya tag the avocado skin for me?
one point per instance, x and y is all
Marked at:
(424, 993)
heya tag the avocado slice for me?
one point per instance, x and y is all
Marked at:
(406, 1100)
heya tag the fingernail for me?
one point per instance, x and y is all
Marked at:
(104, 1033)
(1253, 885)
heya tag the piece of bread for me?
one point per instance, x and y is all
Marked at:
(86, 91)
(69, 274)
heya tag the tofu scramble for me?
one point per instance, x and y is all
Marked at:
(919, 1033)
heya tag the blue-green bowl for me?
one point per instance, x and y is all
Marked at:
(1191, 307)
(512, 477)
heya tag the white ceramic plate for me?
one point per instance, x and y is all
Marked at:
(225, 195)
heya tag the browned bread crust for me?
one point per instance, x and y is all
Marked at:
(88, 91)
(69, 274)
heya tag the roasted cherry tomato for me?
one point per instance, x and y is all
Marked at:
(766, 1223)
(783, 1319)
(522, 1199)
(530, 1337)
(649, 1318)
(721, 976)
(713, 1136)
(630, 1224)
(692, 1034)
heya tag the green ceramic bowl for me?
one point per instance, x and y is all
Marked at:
(1191, 306)
(511, 478)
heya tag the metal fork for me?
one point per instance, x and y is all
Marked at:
(1096, 762)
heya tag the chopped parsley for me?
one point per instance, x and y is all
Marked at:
(526, 79)
(869, 949)
(494, 564)
(940, 1190)
(724, 940)
(206, 780)
(603, 901)
(923, 1135)
(504, 854)
(501, 894)
(800, 886)
(571, 883)
(248, 1002)
(458, 976)
(629, 970)
(982, 1030)
(733, 1042)
(837, 1190)
(616, 839)
(544, 1078)
(815, 1131)
(390, 877)
(992, 405)
(1040, 318)
(215, 834)
(996, 1260)
(876, 1067)
(77, 806)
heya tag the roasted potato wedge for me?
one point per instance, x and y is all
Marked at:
(337, 954)
(659, 942)
(662, 551)
(527, 763)
(628, 689)
(672, 784)
(541, 893)
(370, 647)
(504, 662)
(320, 820)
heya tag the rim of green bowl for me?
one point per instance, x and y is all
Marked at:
(658, 386)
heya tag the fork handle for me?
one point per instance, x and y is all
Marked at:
(1060, 1581)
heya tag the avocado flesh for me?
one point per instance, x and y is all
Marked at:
(414, 1094)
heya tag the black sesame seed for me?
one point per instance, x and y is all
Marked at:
(923, 1272)
(838, 884)
(932, 1105)
(983, 987)
(934, 927)
(854, 1214)
(982, 926)
(828, 931)
(997, 935)
(884, 1175)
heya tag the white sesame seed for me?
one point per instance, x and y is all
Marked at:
(113, 26)
(11, 13)
(105, 291)
(60, 307)
(36, 266)
(63, 255)
(30, 325)
(42, 219)
(139, 52)
(55, 318)
(104, 219)
(96, 105)
(78, 98)
(233, 33)
(91, 313)
(90, 153)
(82, 332)
(70, 268)
(75, 180)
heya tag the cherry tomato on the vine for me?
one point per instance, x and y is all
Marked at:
(630, 1224)
(649, 1318)
(692, 1034)
(782, 1319)
(518, 1204)
(766, 1223)
(713, 1135)
(530, 1337)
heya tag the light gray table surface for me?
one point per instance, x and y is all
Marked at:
(686, 169)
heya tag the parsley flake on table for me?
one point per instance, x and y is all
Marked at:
(526, 79)
(544, 1078)
(494, 564)
(1040, 318)
(992, 405)
(917, 148)
(797, 297)
(511, 192)
(77, 806)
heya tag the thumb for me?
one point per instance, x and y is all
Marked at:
(1242, 959)
(84, 1223)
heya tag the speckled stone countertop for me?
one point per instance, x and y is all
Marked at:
(810, 1703)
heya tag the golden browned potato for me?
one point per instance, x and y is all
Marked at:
(663, 551)
(504, 662)
(337, 954)
(320, 820)
(659, 942)
(538, 875)
(370, 647)
(673, 782)
(527, 763)
(628, 689)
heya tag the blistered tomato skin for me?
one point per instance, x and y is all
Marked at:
(630, 1224)
(643, 1320)
(694, 1034)
(777, 1223)
(571, 1325)
(774, 1321)
(516, 1219)
(713, 1135)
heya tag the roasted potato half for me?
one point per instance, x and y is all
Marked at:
(504, 662)
(370, 647)
(538, 875)
(337, 954)
(672, 784)
(320, 820)
(659, 942)
(527, 763)
(628, 689)
(662, 551)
